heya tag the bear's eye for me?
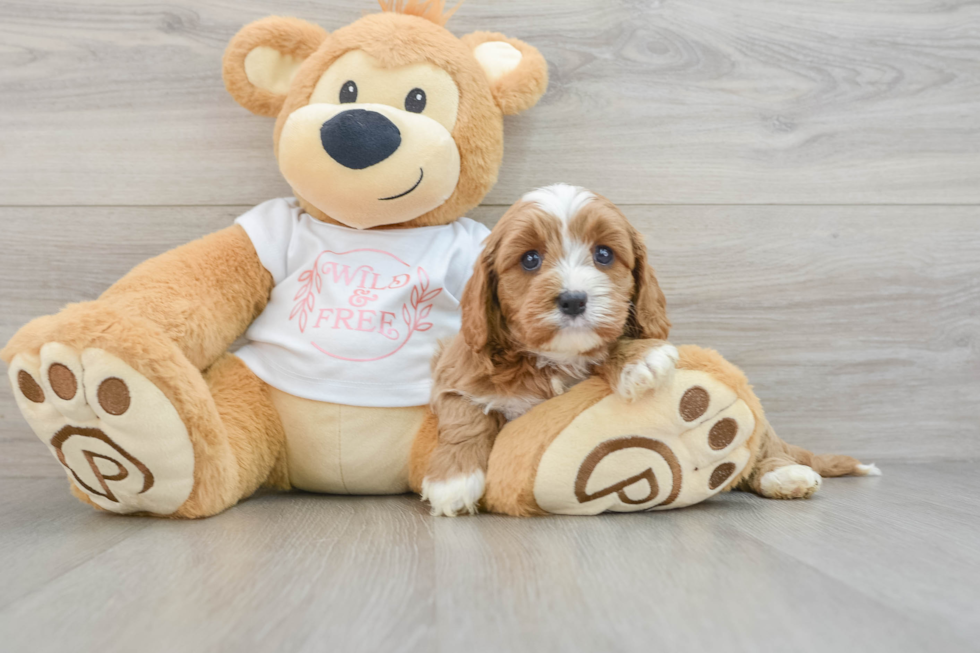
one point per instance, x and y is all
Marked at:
(348, 92)
(415, 101)
(531, 260)
(603, 255)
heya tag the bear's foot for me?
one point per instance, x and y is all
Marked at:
(671, 448)
(121, 440)
(592, 450)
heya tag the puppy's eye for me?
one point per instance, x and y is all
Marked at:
(415, 101)
(531, 260)
(348, 92)
(603, 255)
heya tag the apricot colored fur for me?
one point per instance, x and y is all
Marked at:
(422, 447)
(491, 369)
(173, 317)
(492, 358)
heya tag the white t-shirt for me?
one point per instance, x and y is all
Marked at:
(355, 315)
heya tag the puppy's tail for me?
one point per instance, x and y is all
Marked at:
(827, 465)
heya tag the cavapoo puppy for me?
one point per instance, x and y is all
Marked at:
(563, 291)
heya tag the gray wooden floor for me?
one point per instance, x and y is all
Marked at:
(807, 175)
(886, 564)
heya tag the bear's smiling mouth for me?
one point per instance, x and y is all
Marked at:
(395, 197)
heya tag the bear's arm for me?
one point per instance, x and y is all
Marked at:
(202, 295)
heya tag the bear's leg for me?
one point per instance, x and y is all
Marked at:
(252, 426)
(590, 451)
(163, 439)
(423, 446)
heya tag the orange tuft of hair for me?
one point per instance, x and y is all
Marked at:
(431, 10)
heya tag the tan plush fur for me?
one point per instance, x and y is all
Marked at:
(202, 295)
(520, 89)
(769, 451)
(398, 40)
(710, 361)
(394, 40)
(173, 317)
(235, 431)
(520, 445)
(251, 425)
(170, 318)
(341, 449)
(433, 11)
(81, 496)
(287, 35)
(143, 346)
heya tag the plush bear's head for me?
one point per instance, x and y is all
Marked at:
(389, 121)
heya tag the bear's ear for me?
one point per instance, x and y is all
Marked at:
(517, 72)
(262, 58)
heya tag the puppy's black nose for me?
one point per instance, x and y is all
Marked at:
(572, 303)
(358, 138)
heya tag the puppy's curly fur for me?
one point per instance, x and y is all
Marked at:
(518, 348)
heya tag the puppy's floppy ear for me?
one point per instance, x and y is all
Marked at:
(517, 72)
(260, 61)
(648, 312)
(483, 322)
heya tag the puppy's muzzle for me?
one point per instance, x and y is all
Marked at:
(359, 138)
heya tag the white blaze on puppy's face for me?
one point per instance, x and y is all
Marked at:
(561, 201)
(571, 261)
(563, 276)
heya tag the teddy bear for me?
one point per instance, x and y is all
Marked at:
(388, 130)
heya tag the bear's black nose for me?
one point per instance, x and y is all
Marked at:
(359, 138)
(572, 303)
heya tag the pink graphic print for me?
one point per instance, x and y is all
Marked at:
(413, 312)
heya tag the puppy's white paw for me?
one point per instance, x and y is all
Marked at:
(655, 368)
(455, 494)
(790, 482)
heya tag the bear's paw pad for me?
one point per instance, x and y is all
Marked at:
(119, 438)
(675, 447)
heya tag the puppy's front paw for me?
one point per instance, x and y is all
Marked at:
(454, 494)
(651, 371)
